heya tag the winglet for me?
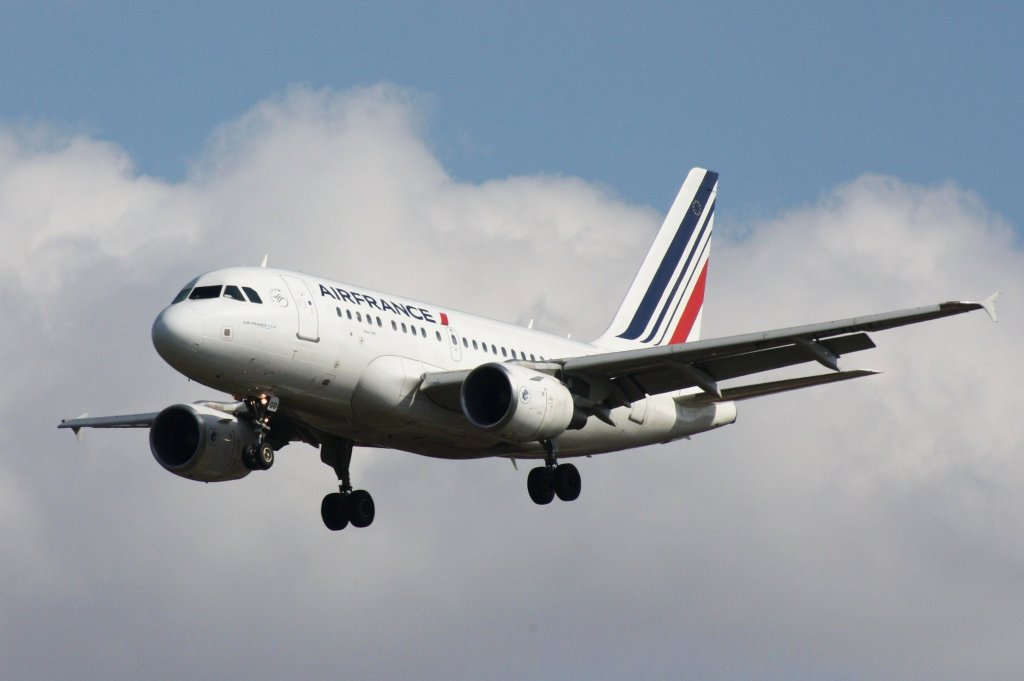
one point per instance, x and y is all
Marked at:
(77, 430)
(266, 257)
(989, 305)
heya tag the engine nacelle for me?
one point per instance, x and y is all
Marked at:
(516, 403)
(200, 443)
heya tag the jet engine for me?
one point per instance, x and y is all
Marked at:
(518, 403)
(200, 443)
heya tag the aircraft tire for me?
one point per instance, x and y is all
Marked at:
(361, 509)
(567, 482)
(264, 456)
(334, 511)
(540, 483)
(249, 458)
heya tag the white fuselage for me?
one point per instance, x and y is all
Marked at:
(349, 361)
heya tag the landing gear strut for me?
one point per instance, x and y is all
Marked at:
(345, 506)
(260, 456)
(545, 482)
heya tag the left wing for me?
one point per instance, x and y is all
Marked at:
(631, 375)
(612, 379)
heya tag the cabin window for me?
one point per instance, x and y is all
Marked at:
(438, 336)
(503, 353)
(205, 292)
(423, 332)
(339, 311)
(475, 346)
(532, 358)
(359, 316)
(404, 328)
(465, 343)
(253, 296)
(348, 313)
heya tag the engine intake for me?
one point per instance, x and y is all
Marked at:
(200, 443)
(517, 403)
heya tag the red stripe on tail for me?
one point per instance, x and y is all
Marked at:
(693, 306)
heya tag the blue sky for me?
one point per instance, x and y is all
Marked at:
(515, 161)
(785, 101)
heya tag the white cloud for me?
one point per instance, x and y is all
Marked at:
(867, 529)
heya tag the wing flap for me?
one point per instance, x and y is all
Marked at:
(668, 375)
(746, 392)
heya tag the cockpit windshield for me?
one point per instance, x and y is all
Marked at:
(193, 292)
(231, 291)
(204, 292)
(183, 294)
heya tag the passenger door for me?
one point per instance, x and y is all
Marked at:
(309, 324)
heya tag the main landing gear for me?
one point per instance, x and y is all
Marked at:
(260, 456)
(345, 506)
(553, 478)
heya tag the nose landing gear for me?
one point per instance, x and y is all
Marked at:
(260, 456)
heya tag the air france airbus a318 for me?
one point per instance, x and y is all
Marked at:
(336, 366)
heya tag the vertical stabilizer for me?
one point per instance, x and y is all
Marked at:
(665, 302)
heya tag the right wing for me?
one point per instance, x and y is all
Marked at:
(125, 421)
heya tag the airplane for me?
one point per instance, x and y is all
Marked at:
(309, 359)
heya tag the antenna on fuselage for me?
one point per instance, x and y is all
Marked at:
(266, 257)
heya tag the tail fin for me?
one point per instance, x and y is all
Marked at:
(665, 302)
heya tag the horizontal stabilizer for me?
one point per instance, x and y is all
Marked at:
(760, 389)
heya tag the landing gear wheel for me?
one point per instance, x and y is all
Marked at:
(567, 482)
(540, 483)
(334, 511)
(360, 508)
(249, 458)
(264, 456)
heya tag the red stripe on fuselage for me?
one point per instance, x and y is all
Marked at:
(693, 306)
(444, 319)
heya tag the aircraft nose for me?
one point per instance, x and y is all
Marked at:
(176, 330)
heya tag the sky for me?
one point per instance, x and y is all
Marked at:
(515, 162)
